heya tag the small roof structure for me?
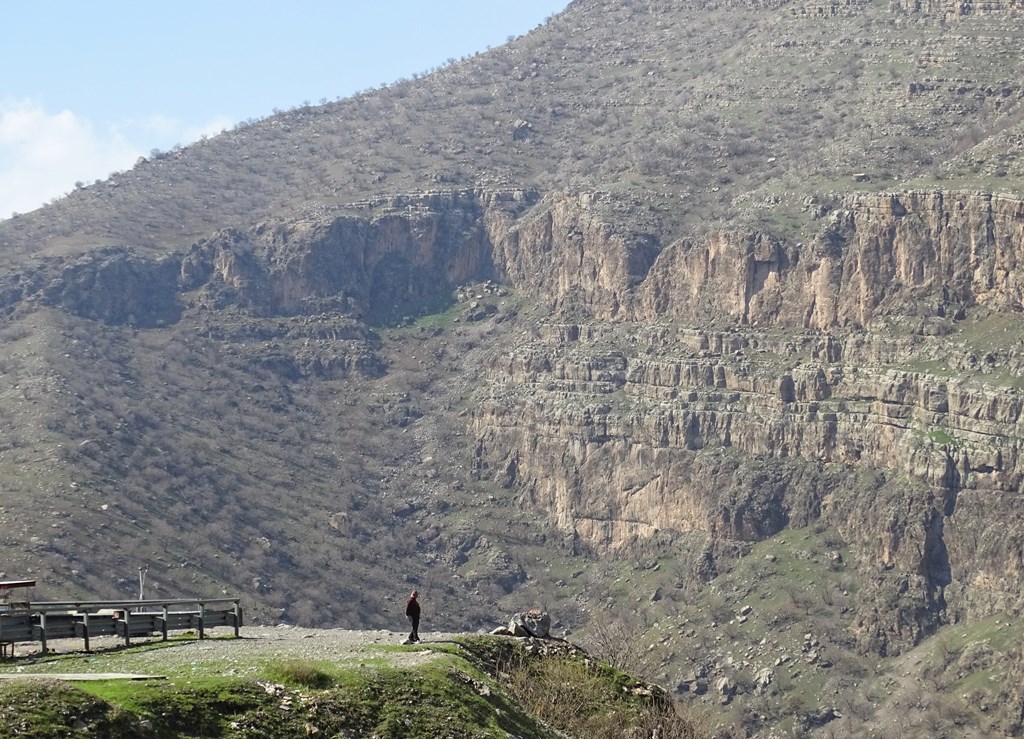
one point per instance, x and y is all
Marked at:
(11, 584)
(8, 588)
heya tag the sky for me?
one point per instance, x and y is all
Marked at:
(86, 88)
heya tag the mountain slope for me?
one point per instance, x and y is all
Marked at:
(581, 323)
(674, 99)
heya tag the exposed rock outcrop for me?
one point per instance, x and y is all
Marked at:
(117, 287)
(916, 254)
(726, 386)
(624, 429)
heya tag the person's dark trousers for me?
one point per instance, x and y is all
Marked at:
(415, 634)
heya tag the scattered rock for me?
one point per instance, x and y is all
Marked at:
(725, 687)
(530, 623)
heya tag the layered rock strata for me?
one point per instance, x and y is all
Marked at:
(837, 353)
(726, 385)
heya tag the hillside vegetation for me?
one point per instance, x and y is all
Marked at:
(705, 110)
(695, 324)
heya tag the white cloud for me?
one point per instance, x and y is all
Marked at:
(43, 154)
(170, 131)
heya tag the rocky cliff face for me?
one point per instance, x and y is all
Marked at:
(837, 357)
(404, 254)
(910, 255)
(721, 387)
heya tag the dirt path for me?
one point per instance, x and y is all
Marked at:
(257, 645)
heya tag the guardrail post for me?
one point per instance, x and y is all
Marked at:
(42, 630)
(165, 624)
(85, 629)
(202, 620)
(236, 616)
(127, 627)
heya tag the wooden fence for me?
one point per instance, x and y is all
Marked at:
(39, 622)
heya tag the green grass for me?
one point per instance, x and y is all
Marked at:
(199, 706)
(937, 368)
(457, 696)
(38, 709)
(301, 673)
(992, 331)
(999, 632)
(443, 319)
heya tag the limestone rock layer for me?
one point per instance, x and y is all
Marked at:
(720, 386)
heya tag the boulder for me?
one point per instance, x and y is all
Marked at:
(530, 623)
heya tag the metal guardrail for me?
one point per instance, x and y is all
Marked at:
(101, 604)
(41, 621)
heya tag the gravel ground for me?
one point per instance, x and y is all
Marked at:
(257, 644)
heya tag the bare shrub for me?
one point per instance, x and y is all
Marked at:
(578, 697)
(619, 644)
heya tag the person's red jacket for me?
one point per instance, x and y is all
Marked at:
(412, 607)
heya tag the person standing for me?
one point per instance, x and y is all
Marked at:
(412, 612)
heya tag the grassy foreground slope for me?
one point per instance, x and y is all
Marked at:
(458, 688)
